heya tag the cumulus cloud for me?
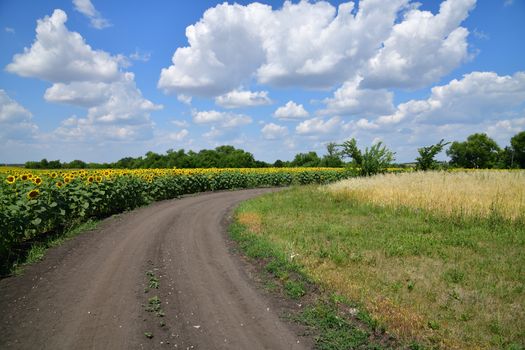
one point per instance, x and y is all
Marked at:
(86, 8)
(227, 46)
(242, 98)
(60, 55)
(140, 56)
(316, 45)
(273, 131)
(178, 136)
(184, 99)
(15, 120)
(220, 119)
(316, 126)
(180, 123)
(86, 78)
(421, 48)
(291, 111)
(477, 96)
(10, 110)
(350, 99)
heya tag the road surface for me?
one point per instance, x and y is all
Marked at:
(89, 293)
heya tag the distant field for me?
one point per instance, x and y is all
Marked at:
(436, 257)
(481, 193)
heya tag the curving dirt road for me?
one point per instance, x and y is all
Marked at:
(90, 292)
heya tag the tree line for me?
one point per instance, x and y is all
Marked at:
(478, 151)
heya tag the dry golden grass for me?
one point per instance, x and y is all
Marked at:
(465, 194)
(251, 220)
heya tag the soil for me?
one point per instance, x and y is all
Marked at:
(90, 293)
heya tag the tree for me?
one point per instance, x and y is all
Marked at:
(278, 163)
(310, 159)
(76, 164)
(426, 160)
(517, 143)
(373, 161)
(333, 156)
(479, 151)
(54, 164)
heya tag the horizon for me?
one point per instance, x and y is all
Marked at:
(100, 81)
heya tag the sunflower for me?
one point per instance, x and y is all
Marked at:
(29, 176)
(59, 184)
(99, 178)
(53, 175)
(24, 177)
(37, 181)
(11, 179)
(33, 194)
(90, 179)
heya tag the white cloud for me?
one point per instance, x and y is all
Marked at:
(350, 99)
(184, 99)
(241, 98)
(79, 130)
(15, 120)
(305, 44)
(9, 30)
(366, 124)
(476, 97)
(273, 131)
(10, 110)
(180, 123)
(58, 55)
(317, 126)
(86, 78)
(178, 136)
(508, 3)
(316, 45)
(86, 8)
(422, 48)
(140, 56)
(220, 119)
(507, 127)
(290, 111)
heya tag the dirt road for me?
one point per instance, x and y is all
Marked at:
(90, 292)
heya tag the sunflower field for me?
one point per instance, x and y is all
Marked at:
(37, 202)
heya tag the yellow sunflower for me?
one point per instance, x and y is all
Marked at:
(11, 179)
(59, 184)
(37, 181)
(24, 177)
(33, 194)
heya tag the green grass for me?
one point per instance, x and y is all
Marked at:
(323, 315)
(37, 250)
(448, 283)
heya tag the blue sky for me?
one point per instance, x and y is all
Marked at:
(101, 80)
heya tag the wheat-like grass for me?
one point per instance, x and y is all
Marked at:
(480, 193)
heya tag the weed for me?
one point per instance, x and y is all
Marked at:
(294, 289)
(153, 304)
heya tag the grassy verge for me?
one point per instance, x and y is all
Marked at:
(36, 250)
(441, 282)
(335, 322)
